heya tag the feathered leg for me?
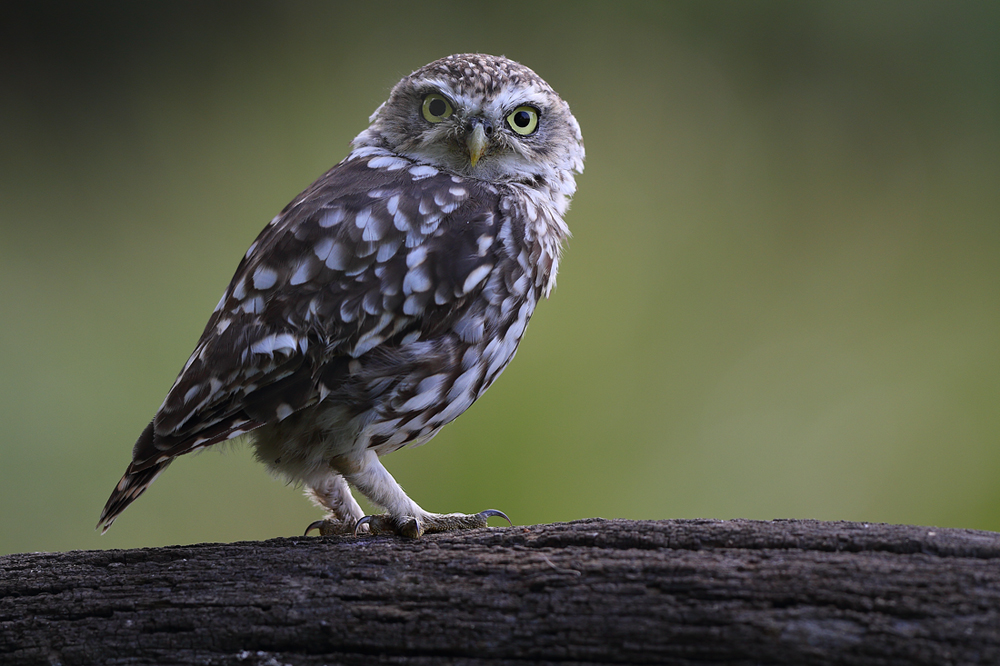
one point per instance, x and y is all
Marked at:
(335, 495)
(403, 516)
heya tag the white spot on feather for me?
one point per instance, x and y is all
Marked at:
(460, 396)
(338, 257)
(412, 306)
(322, 248)
(483, 244)
(507, 236)
(429, 224)
(371, 303)
(502, 355)
(331, 218)
(470, 329)
(516, 329)
(416, 256)
(240, 290)
(521, 285)
(417, 280)
(279, 343)
(455, 408)
(470, 358)
(304, 272)
(362, 218)
(428, 392)
(386, 251)
(365, 151)
(191, 393)
(348, 311)
(366, 344)
(400, 220)
(264, 278)
(388, 162)
(370, 224)
(422, 171)
(477, 275)
(253, 305)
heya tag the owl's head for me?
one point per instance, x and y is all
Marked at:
(480, 116)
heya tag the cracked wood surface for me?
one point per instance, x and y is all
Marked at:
(590, 592)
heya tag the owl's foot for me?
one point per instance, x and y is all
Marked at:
(331, 526)
(412, 527)
(343, 511)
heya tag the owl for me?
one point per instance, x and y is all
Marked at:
(385, 298)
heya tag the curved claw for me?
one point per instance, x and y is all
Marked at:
(317, 525)
(365, 520)
(488, 513)
(410, 529)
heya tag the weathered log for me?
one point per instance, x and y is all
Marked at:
(593, 591)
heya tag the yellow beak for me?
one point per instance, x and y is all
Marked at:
(476, 143)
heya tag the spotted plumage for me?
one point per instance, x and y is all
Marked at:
(387, 297)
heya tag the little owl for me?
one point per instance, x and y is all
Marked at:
(384, 299)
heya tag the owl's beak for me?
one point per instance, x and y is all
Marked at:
(476, 141)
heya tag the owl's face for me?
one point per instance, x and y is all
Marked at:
(480, 116)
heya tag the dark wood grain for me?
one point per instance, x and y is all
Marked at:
(589, 592)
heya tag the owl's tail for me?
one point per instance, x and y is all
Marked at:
(133, 484)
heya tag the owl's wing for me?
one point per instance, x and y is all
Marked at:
(376, 249)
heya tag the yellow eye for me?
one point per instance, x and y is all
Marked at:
(524, 120)
(436, 108)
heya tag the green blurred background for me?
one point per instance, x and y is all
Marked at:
(782, 297)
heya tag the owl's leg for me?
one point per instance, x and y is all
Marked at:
(334, 494)
(403, 516)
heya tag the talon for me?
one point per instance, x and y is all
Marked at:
(488, 513)
(317, 525)
(411, 529)
(366, 520)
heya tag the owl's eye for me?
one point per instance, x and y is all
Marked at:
(436, 108)
(524, 120)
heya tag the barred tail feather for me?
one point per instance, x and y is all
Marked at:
(128, 490)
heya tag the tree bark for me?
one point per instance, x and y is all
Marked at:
(592, 591)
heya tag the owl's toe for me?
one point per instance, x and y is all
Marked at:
(332, 527)
(412, 527)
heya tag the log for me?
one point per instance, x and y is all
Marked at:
(588, 592)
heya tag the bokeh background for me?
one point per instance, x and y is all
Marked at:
(782, 297)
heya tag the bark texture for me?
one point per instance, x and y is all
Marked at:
(589, 592)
